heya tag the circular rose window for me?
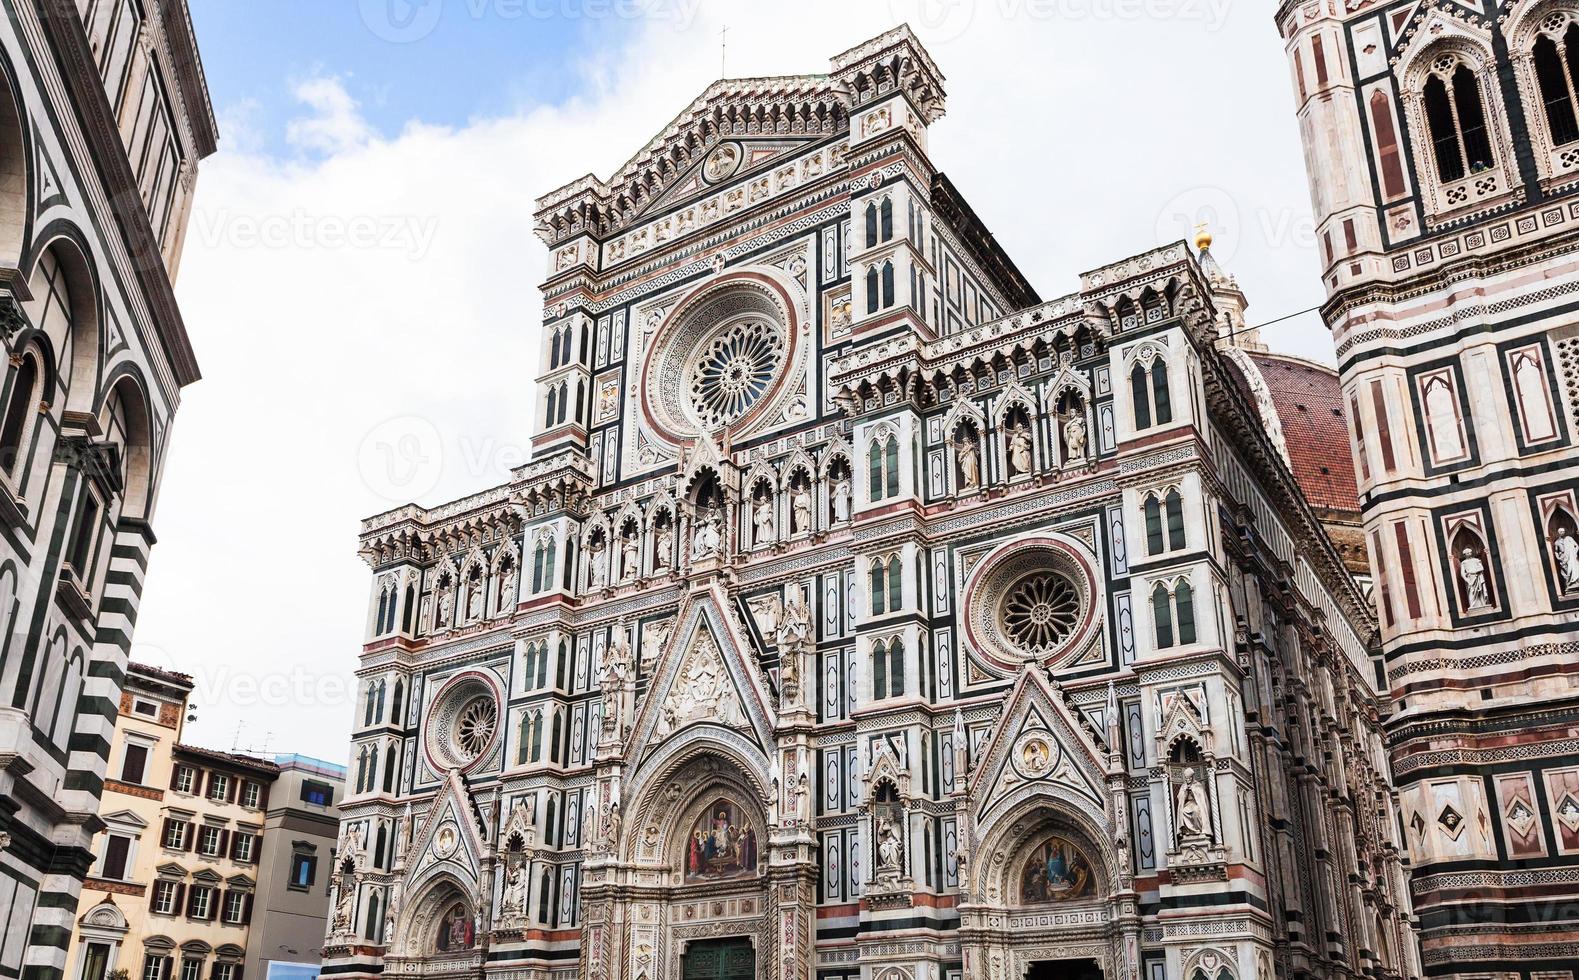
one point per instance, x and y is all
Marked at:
(463, 725)
(1040, 611)
(720, 359)
(1030, 599)
(736, 368)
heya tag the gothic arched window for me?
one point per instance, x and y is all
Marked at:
(1457, 119)
(1139, 395)
(888, 669)
(1153, 508)
(1387, 144)
(885, 214)
(871, 224)
(895, 584)
(1162, 407)
(883, 467)
(19, 413)
(888, 277)
(391, 767)
(1162, 616)
(1174, 506)
(372, 704)
(872, 297)
(879, 586)
(397, 701)
(1557, 72)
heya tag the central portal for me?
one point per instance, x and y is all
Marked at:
(720, 959)
(1061, 970)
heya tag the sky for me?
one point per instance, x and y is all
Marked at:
(360, 275)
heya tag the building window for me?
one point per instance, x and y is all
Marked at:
(147, 709)
(1149, 392)
(134, 763)
(156, 967)
(226, 971)
(174, 835)
(117, 851)
(20, 411)
(1457, 120)
(191, 968)
(210, 840)
(888, 669)
(243, 847)
(886, 585)
(185, 779)
(218, 787)
(882, 460)
(164, 897)
(251, 795)
(200, 906)
(304, 870)
(1556, 68)
(235, 907)
(84, 537)
(1169, 512)
(316, 793)
(1173, 615)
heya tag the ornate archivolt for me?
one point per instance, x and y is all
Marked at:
(1530, 21)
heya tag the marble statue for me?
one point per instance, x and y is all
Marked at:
(800, 511)
(1473, 571)
(969, 463)
(841, 501)
(706, 540)
(762, 519)
(1566, 551)
(1075, 437)
(1020, 449)
(1190, 818)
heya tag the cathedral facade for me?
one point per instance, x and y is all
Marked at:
(863, 614)
(1442, 148)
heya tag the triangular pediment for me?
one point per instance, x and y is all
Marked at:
(722, 165)
(707, 679)
(1038, 742)
(124, 818)
(450, 836)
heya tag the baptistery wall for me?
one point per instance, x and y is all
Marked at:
(863, 614)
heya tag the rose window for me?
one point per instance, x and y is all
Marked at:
(1040, 611)
(462, 728)
(735, 369)
(475, 725)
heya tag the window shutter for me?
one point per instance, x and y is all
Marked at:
(263, 797)
(230, 790)
(175, 776)
(164, 833)
(187, 834)
(153, 897)
(199, 781)
(164, 971)
(236, 973)
(176, 898)
(224, 842)
(191, 902)
(246, 918)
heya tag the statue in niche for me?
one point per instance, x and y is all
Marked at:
(800, 510)
(1020, 449)
(794, 628)
(1473, 571)
(630, 557)
(507, 590)
(802, 798)
(707, 539)
(762, 518)
(1190, 815)
(1566, 552)
(663, 547)
(969, 462)
(441, 617)
(1075, 437)
(599, 570)
(474, 600)
(841, 500)
(514, 900)
(889, 848)
(611, 827)
(345, 895)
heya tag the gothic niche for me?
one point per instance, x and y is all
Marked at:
(762, 513)
(1562, 534)
(707, 518)
(800, 505)
(597, 560)
(888, 834)
(444, 601)
(721, 844)
(966, 441)
(1473, 579)
(1192, 821)
(1018, 454)
(663, 540)
(630, 551)
(1073, 427)
(840, 491)
(1056, 871)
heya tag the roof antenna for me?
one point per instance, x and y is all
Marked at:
(723, 49)
(235, 740)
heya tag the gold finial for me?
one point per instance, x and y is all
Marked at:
(1203, 238)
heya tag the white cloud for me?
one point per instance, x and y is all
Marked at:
(371, 304)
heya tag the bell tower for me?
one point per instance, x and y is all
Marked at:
(1443, 155)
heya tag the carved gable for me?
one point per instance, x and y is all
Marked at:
(1038, 742)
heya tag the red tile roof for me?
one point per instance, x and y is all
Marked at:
(1309, 402)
